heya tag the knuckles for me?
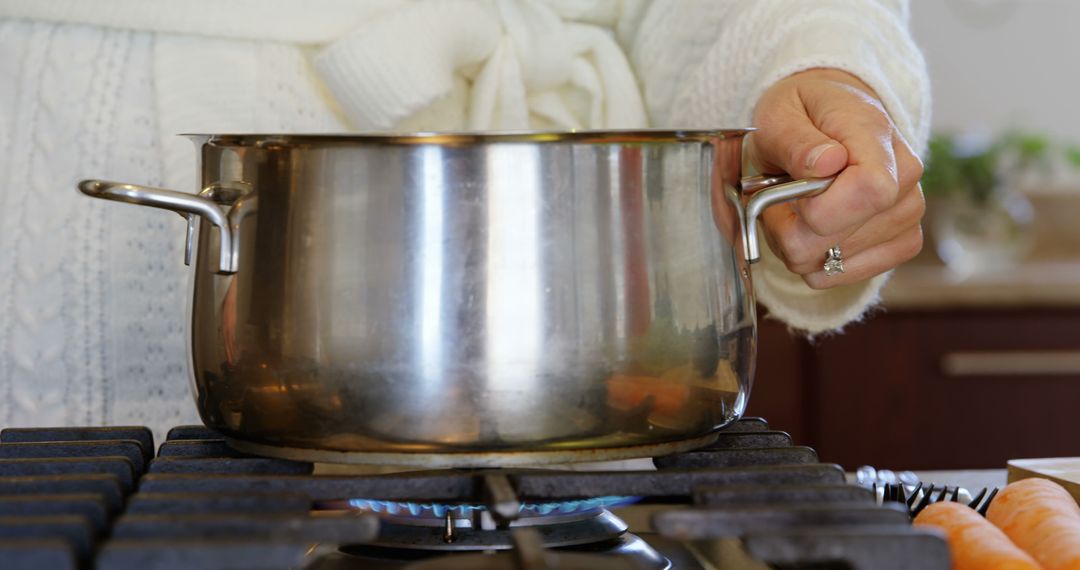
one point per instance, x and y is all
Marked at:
(910, 167)
(912, 246)
(913, 173)
(879, 188)
(920, 203)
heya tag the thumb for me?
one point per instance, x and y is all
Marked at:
(788, 141)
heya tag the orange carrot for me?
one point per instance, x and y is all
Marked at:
(628, 392)
(974, 543)
(1042, 518)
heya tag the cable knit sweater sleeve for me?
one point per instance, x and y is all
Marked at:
(726, 64)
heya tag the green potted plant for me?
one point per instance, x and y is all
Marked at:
(978, 221)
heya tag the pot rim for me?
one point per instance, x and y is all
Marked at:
(451, 138)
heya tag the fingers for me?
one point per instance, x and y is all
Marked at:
(871, 262)
(803, 251)
(823, 123)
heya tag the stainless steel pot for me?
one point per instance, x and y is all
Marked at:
(466, 300)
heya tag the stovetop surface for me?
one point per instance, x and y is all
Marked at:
(102, 498)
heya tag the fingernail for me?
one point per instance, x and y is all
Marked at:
(815, 154)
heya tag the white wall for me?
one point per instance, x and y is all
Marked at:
(998, 64)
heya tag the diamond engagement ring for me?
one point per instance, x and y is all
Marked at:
(834, 261)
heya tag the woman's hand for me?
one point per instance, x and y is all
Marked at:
(824, 122)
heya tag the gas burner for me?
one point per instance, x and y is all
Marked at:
(86, 498)
(437, 512)
(476, 526)
(627, 552)
(481, 534)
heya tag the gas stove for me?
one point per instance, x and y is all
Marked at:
(98, 497)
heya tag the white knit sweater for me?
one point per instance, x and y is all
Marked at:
(92, 295)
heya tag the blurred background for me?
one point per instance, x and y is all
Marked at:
(975, 357)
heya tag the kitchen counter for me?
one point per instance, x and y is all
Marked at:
(971, 479)
(1048, 276)
(1047, 282)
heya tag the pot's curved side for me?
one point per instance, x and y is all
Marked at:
(503, 297)
(524, 298)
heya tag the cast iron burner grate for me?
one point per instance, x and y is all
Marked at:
(83, 498)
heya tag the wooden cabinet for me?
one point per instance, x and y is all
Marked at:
(928, 389)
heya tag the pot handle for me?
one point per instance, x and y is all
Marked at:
(187, 205)
(769, 190)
